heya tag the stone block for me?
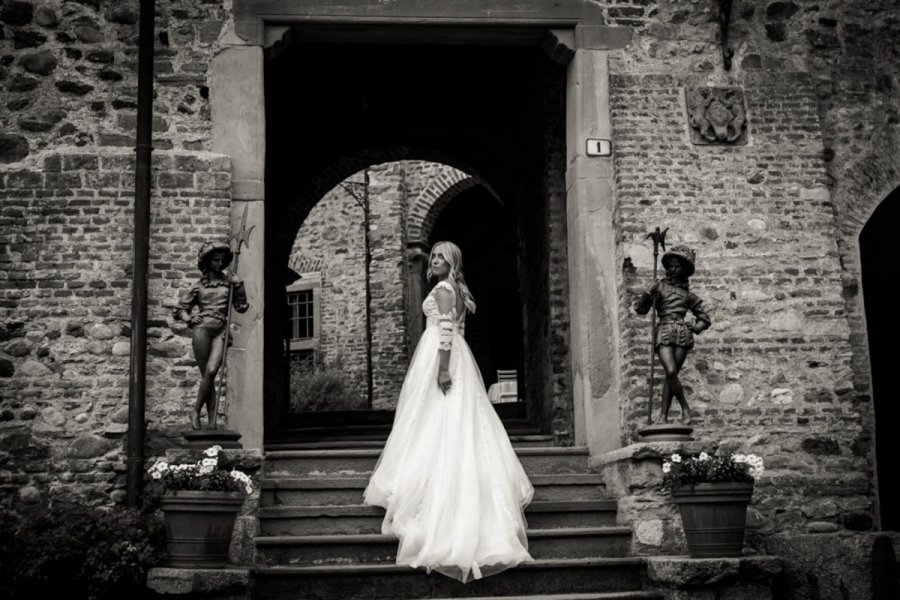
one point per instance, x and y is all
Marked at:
(213, 584)
(743, 578)
(13, 148)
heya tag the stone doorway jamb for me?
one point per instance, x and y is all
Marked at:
(238, 130)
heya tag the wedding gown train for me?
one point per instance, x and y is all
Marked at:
(452, 486)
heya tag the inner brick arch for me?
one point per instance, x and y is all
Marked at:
(311, 191)
(428, 204)
(283, 225)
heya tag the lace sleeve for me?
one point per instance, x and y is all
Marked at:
(444, 291)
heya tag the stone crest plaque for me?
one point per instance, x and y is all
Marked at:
(716, 115)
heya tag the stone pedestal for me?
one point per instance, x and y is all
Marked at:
(745, 578)
(633, 476)
(204, 438)
(666, 432)
(210, 584)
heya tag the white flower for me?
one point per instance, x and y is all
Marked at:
(159, 469)
(703, 456)
(243, 479)
(667, 466)
(676, 458)
(213, 451)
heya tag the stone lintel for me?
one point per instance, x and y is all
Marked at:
(212, 583)
(251, 17)
(599, 37)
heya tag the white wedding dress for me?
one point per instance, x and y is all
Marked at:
(451, 483)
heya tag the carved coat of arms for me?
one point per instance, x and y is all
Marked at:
(716, 115)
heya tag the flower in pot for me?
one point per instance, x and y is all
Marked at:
(712, 493)
(200, 502)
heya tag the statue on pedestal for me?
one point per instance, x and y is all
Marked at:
(673, 337)
(212, 296)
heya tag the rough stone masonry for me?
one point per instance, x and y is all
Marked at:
(783, 373)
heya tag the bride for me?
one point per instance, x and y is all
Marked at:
(452, 486)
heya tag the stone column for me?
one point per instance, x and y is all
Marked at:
(592, 255)
(238, 116)
(417, 265)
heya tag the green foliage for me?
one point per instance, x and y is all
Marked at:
(79, 552)
(320, 386)
(688, 469)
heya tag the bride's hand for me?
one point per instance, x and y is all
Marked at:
(444, 381)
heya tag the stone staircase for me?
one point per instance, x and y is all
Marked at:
(319, 542)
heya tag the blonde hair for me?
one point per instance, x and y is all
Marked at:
(453, 255)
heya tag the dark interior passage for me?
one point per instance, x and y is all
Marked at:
(334, 108)
(881, 278)
(486, 234)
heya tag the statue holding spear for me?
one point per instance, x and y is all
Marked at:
(214, 296)
(672, 337)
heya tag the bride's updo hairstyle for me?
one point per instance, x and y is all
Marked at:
(453, 255)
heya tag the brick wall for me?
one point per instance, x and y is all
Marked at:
(65, 304)
(783, 371)
(332, 235)
(388, 282)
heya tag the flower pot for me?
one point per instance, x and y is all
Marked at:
(199, 526)
(714, 517)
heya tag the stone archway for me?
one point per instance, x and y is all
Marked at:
(571, 32)
(861, 192)
(880, 275)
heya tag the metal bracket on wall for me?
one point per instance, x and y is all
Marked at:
(724, 22)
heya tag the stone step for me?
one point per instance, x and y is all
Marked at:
(388, 581)
(601, 596)
(359, 518)
(365, 433)
(289, 550)
(519, 441)
(317, 491)
(350, 463)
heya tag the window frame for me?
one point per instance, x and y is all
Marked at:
(306, 283)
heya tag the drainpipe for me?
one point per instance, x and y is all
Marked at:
(137, 379)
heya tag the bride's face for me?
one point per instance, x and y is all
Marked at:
(439, 265)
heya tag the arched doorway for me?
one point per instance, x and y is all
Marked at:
(880, 276)
(494, 112)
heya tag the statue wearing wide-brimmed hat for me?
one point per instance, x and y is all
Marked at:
(674, 338)
(205, 308)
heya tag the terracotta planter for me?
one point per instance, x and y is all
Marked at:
(199, 527)
(714, 516)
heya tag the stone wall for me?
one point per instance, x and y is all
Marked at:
(65, 311)
(560, 379)
(388, 282)
(332, 235)
(69, 73)
(779, 372)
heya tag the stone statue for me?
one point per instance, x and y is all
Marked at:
(674, 338)
(211, 295)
